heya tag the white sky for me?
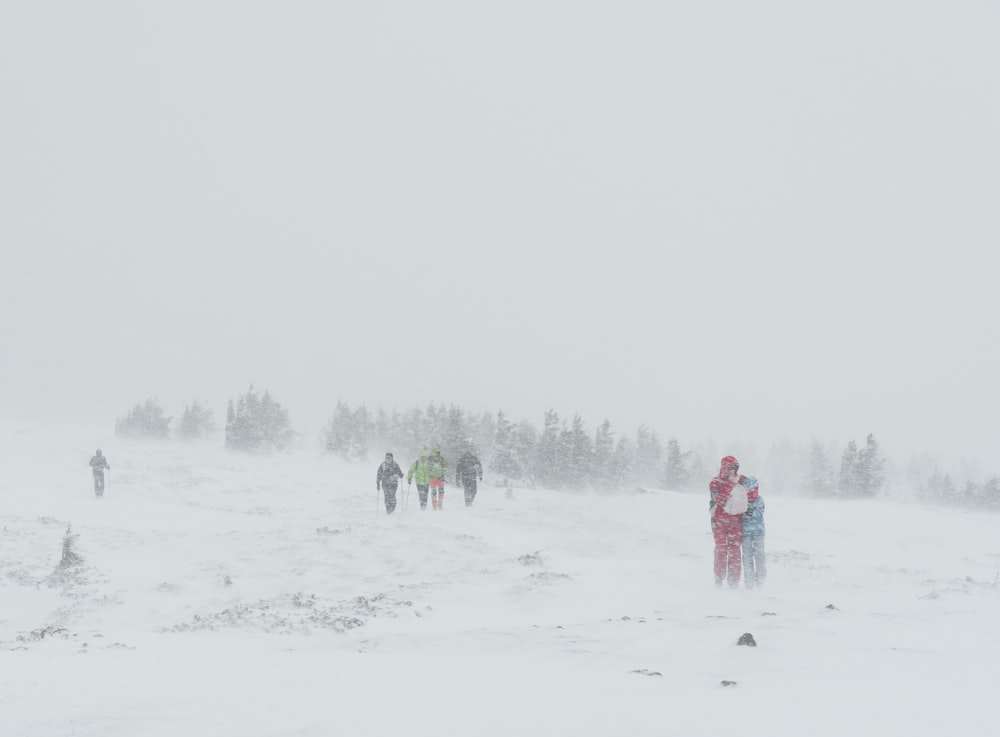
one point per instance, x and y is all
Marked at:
(744, 222)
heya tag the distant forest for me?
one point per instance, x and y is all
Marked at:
(560, 454)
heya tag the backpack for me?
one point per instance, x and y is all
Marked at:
(737, 502)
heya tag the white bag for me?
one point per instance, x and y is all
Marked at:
(737, 502)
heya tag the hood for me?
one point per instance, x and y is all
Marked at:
(726, 463)
(751, 483)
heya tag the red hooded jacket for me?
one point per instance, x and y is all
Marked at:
(721, 487)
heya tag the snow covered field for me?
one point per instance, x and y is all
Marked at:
(220, 594)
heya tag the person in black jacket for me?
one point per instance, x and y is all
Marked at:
(468, 471)
(97, 464)
(387, 479)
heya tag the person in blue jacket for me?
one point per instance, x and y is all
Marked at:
(754, 557)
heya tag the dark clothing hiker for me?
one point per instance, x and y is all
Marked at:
(468, 471)
(97, 464)
(387, 480)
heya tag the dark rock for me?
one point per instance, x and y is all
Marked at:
(728, 684)
(531, 559)
(747, 640)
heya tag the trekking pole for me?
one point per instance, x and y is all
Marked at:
(376, 501)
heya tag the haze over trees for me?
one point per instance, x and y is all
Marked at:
(561, 453)
(196, 422)
(257, 423)
(145, 420)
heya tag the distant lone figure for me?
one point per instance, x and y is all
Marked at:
(97, 464)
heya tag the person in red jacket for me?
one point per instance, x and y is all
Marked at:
(729, 502)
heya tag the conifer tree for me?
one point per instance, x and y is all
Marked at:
(455, 435)
(648, 452)
(145, 420)
(525, 450)
(484, 432)
(699, 471)
(989, 494)
(847, 482)
(578, 455)
(969, 493)
(869, 469)
(259, 424)
(196, 422)
(411, 434)
(940, 488)
(547, 460)
(622, 462)
(380, 427)
(504, 461)
(432, 425)
(820, 479)
(339, 430)
(361, 432)
(604, 449)
(396, 437)
(677, 474)
(562, 471)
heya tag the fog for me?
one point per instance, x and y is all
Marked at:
(749, 223)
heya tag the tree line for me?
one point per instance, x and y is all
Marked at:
(561, 453)
(255, 422)
(861, 473)
(148, 420)
(941, 488)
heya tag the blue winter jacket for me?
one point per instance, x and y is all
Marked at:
(753, 518)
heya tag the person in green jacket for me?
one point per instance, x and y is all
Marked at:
(421, 473)
(436, 466)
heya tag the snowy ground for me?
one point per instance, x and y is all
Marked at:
(220, 594)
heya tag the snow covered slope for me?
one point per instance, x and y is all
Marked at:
(219, 594)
